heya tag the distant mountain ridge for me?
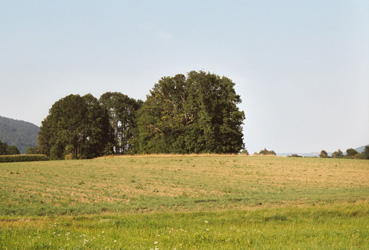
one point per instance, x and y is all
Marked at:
(312, 154)
(361, 149)
(18, 133)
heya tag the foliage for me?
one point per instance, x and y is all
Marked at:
(3, 148)
(75, 125)
(266, 152)
(351, 152)
(33, 150)
(337, 154)
(323, 154)
(122, 112)
(295, 155)
(8, 150)
(365, 153)
(21, 158)
(244, 152)
(18, 133)
(12, 150)
(193, 114)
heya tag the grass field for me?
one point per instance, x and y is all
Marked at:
(185, 202)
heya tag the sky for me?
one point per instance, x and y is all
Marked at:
(300, 67)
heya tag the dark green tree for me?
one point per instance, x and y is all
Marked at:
(193, 114)
(323, 154)
(8, 150)
(351, 153)
(3, 148)
(33, 150)
(122, 112)
(77, 127)
(12, 150)
(98, 139)
(365, 153)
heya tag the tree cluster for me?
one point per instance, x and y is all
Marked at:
(193, 114)
(350, 154)
(265, 152)
(6, 149)
(196, 113)
(85, 127)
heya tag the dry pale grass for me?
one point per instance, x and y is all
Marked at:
(184, 180)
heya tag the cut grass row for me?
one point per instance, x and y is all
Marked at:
(177, 183)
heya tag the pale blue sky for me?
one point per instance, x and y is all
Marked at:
(301, 67)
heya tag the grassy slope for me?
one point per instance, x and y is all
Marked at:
(246, 201)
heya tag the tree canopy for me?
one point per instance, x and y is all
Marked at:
(6, 149)
(122, 112)
(351, 152)
(323, 154)
(196, 113)
(365, 153)
(193, 114)
(337, 154)
(267, 152)
(76, 126)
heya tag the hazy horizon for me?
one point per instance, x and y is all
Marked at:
(301, 68)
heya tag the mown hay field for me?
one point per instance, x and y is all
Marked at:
(191, 202)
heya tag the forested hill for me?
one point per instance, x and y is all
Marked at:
(18, 133)
(361, 149)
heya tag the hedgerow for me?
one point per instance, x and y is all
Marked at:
(19, 158)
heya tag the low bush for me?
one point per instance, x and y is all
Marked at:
(295, 155)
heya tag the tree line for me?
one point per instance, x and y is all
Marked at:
(193, 113)
(6, 149)
(350, 154)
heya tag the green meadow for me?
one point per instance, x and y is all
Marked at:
(185, 202)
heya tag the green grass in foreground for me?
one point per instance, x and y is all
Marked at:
(344, 226)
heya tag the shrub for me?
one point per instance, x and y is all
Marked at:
(244, 152)
(295, 155)
(337, 154)
(19, 158)
(266, 152)
(365, 153)
(350, 153)
(323, 154)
